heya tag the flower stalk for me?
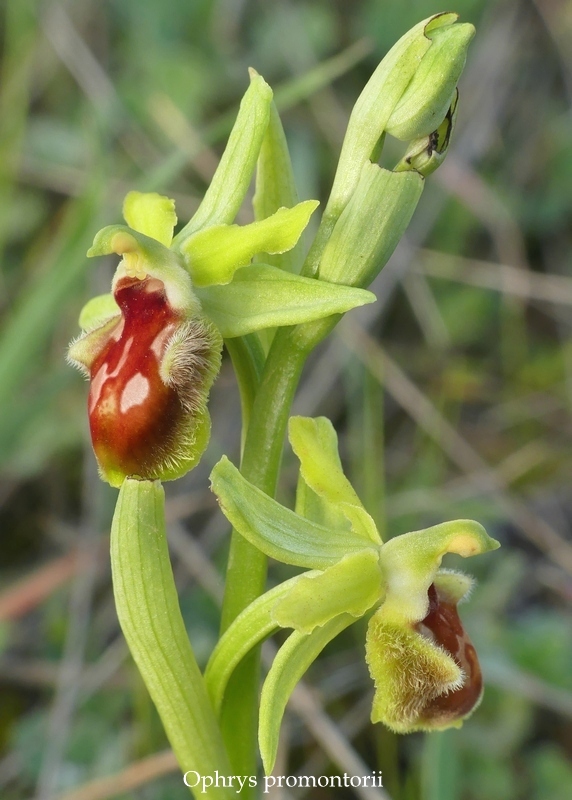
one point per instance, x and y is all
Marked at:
(152, 348)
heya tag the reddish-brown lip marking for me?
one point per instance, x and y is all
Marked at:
(447, 629)
(132, 412)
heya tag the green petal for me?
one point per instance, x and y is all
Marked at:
(97, 310)
(315, 442)
(151, 214)
(248, 629)
(213, 255)
(352, 586)
(261, 296)
(232, 178)
(292, 661)
(277, 531)
(410, 562)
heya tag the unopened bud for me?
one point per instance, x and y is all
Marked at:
(424, 155)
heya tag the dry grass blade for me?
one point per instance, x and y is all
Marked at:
(132, 777)
(504, 278)
(30, 591)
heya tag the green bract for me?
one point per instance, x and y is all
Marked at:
(351, 573)
(408, 96)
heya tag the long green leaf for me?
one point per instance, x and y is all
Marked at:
(150, 617)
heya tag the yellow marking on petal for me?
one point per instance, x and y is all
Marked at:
(465, 546)
(123, 242)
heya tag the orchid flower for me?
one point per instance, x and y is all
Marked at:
(152, 347)
(423, 665)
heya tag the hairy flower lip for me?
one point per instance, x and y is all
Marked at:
(131, 409)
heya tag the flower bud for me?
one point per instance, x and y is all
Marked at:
(429, 95)
(150, 365)
(424, 155)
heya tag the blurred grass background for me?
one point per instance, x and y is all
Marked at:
(452, 396)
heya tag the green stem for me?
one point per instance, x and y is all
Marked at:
(150, 617)
(247, 355)
(246, 572)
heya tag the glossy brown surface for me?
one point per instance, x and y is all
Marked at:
(446, 628)
(132, 412)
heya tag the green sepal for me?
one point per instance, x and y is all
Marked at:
(427, 98)
(276, 187)
(290, 664)
(213, 255)
(97, 311)
(351, 586)
(277, 531)
(315, 442)
(231, 180)
(261, 296)
(409, 564)
(371, 225)
(250, 628)
(152, 214)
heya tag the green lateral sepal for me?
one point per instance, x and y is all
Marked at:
(278, 531)
(290, 664)
(261, 296)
